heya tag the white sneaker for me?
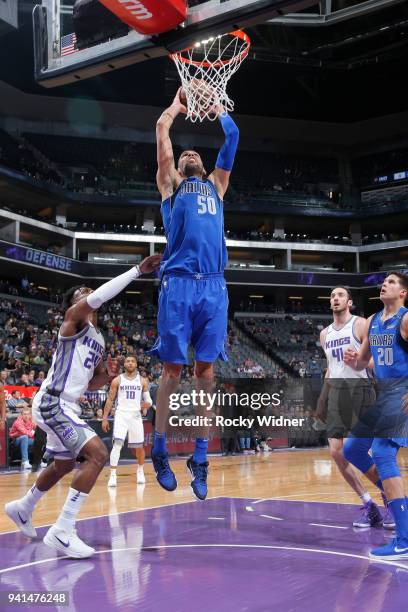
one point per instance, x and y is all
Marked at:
(68, 543)
(26, 465)
(43, 464)
(140, 476)
(112, 480)
(21, 518)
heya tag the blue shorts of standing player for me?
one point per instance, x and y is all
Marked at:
(193, 309)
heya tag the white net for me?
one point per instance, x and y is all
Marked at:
(205, 70)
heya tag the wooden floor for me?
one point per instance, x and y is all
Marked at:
(306, 475)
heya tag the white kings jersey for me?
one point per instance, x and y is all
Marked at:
(73, 364)
(336, 343)
(129, 394)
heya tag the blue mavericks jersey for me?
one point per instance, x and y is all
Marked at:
(193, 219)
(388, 348)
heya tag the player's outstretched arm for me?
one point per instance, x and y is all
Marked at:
(167, 175)
(113, 391)
(80, 311)
(225, 160)
(360, 360)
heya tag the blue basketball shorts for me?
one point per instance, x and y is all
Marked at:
(386, 418)
(193, 309)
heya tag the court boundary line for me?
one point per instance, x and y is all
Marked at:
(90, 518)
(256, 546)
(253, 500)
(285, 498)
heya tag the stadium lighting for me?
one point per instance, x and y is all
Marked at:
(296, 297)
(256, 296)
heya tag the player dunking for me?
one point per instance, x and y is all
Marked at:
(193, 299)
(76, 366)
(348, 394)
(133, 398)
(384, 428)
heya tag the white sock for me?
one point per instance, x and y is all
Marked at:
(115, 453)
(365, 498)
(30, 499)
(140, 468)
(113, 471)
(72, 506)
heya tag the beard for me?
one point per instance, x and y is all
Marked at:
(190, 169)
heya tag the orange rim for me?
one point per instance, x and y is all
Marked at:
(237, 34)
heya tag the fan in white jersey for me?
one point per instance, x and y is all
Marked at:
(77, 365)
(347, 393)
(133, 398)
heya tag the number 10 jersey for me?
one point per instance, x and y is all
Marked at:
(129, 395)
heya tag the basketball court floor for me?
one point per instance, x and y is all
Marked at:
(275, 534)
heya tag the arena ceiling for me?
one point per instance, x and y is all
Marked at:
(347, 71)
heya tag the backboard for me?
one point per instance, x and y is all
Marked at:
(61, 58)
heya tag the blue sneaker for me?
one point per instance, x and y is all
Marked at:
(396, 549)
(199, 471)
(164, 474)
(370, 516)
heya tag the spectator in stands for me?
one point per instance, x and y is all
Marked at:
(99, 414)
(40, 378)
(3, 408)
(87, 412)
(16, 402)
(39, 359)
(5, 378)
(22, 432)
(27, 337)
(25, 381)
(31, 378)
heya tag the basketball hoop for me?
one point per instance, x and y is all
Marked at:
(205, 69)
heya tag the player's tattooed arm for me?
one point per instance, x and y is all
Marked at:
(167, 176)
(113, 391)
(360, 360)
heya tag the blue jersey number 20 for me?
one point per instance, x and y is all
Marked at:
(385, 356)
(206, 204)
